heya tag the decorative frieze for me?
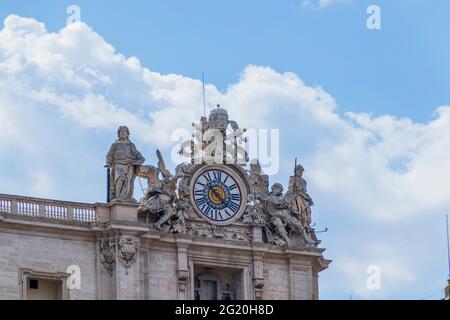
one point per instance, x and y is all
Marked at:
(233, 232)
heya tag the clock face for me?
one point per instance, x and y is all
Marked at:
(217, 194)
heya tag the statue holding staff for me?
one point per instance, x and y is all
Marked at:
(123, 159)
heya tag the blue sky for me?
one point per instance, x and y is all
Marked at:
(330, 47)
(378, 180)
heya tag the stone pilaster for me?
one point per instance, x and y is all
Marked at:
(106, 265)
(257, 234)
(258, 274)
(182, 270)
(127, 268)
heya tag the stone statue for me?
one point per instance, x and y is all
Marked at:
(276, 213)
(298, 197)
(259, 182)
(182, 206)
(167, 198)
(254, 212)
(212, 143)
(123, 158)
(182, 172)
(282, 218)
(160, 195)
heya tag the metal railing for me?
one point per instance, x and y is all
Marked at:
(50, 209)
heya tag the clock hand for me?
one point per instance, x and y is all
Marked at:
(218, 195)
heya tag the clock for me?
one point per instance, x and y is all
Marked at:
(218, 194)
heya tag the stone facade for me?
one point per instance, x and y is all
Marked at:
(37, 243)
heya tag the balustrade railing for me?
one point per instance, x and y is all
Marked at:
(51, 209)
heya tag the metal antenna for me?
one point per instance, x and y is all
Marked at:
(108, 185)
(448, 244)
(321, 231)
(204, 100)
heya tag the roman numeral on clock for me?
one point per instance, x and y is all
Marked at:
(200, 201)
(217, 175)
(199, 193)
(207, 177)
(207, 210)
(233, 206)
(217, 215)
(236, 197)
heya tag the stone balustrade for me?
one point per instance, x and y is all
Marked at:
(50, 209)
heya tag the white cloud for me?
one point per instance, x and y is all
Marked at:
(63, 94)
(394, 271)
(321, 3)
(42, 184)
(391, 167)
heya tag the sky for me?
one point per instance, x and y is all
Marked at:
(366, 111)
